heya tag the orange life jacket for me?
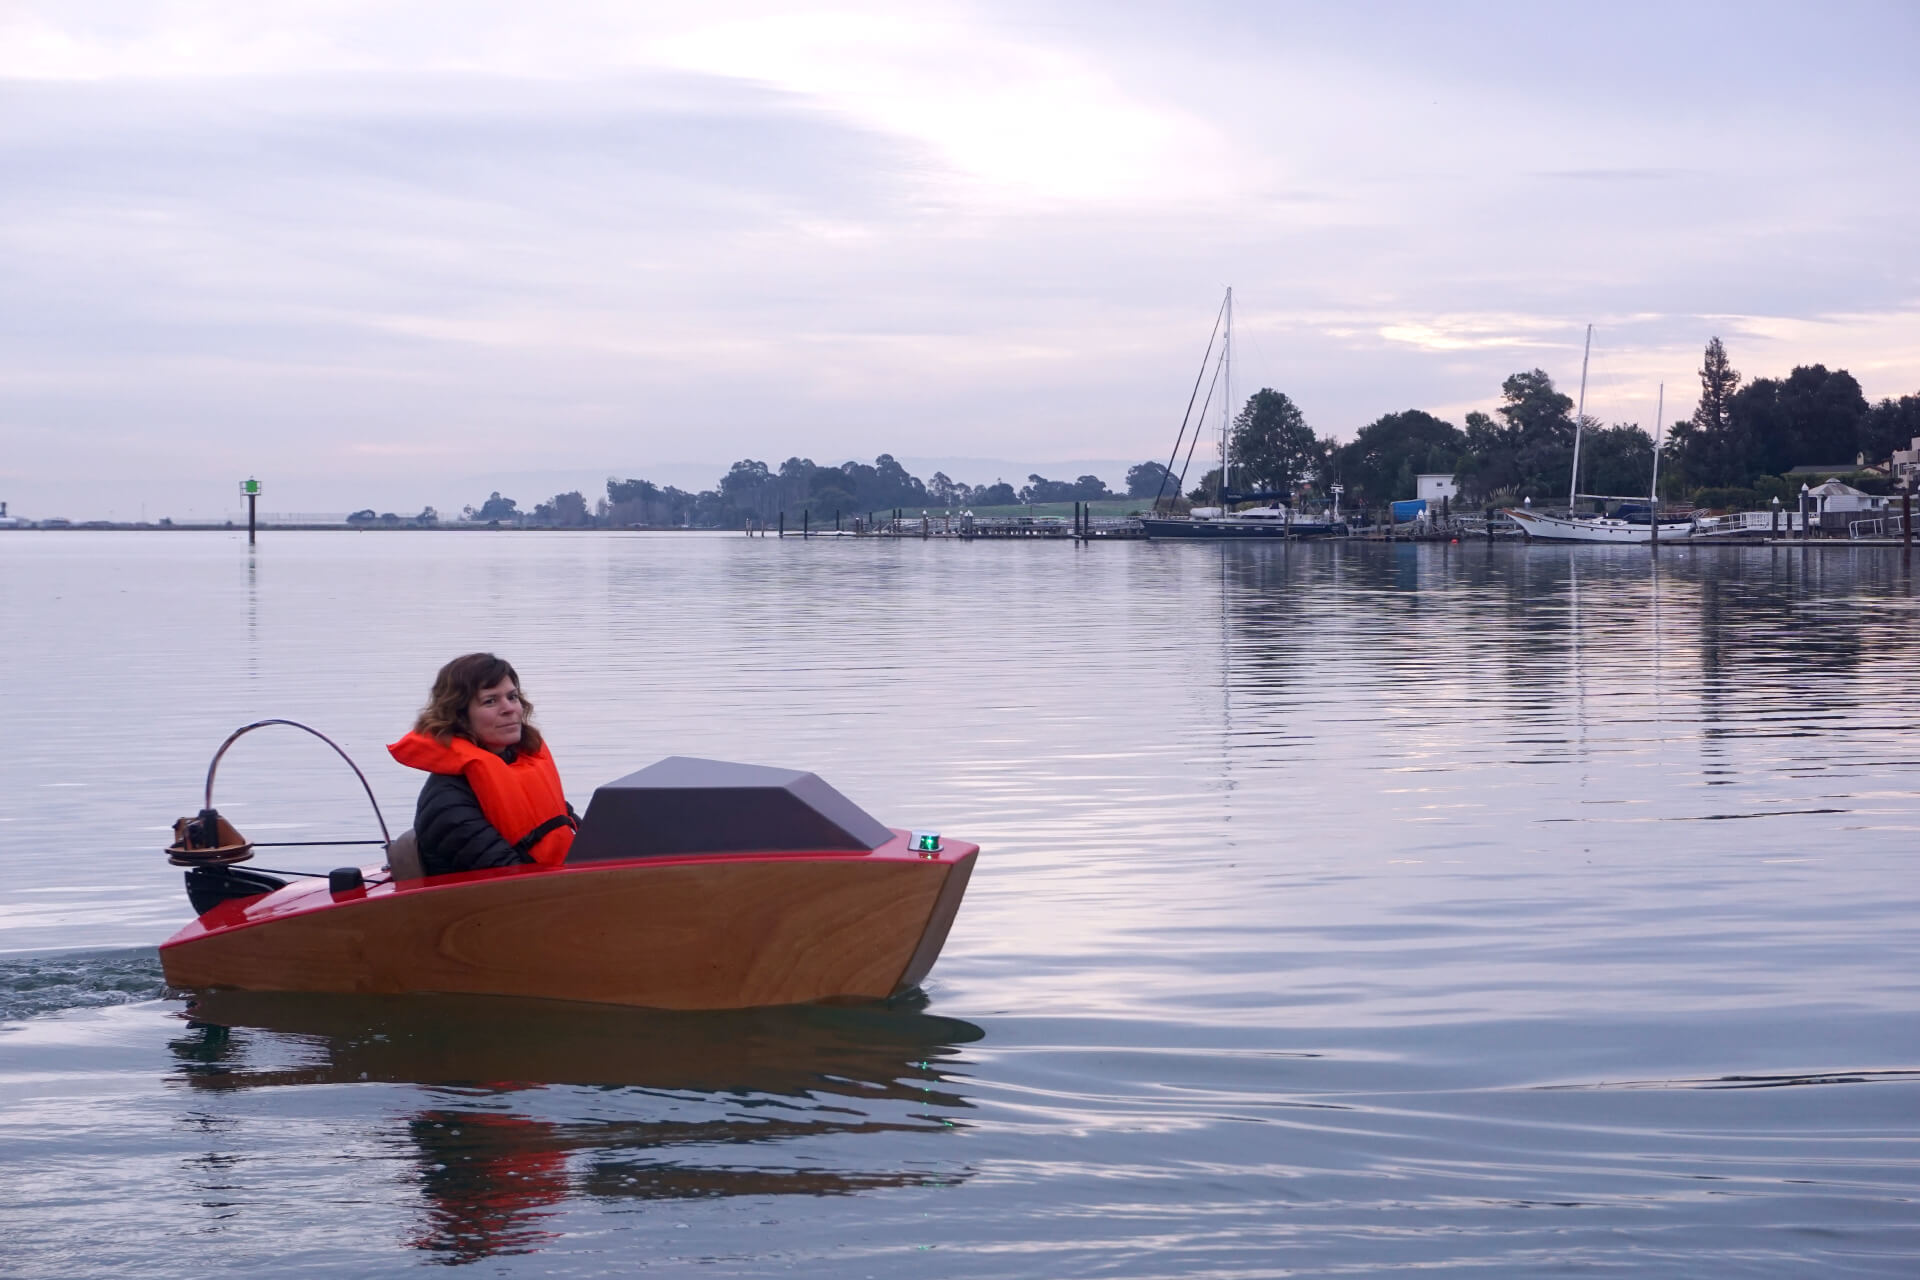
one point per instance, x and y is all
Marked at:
(517, 798)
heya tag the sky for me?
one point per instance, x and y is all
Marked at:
(396, 255)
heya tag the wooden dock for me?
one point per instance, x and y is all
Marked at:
(963, 527)
(1084, 527)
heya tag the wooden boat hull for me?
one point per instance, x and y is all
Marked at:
(727, 931)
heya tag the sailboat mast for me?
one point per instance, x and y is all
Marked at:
(1579, 420)
(1653, 499)
(1226, 408)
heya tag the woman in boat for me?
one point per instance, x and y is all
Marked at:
(493, 796)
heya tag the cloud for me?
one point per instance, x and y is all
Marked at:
(338, 243)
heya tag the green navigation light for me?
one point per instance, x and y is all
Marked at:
(926, 842)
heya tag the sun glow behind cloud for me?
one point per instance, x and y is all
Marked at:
(1017, 121)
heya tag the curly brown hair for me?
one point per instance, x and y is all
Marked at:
(454, 689)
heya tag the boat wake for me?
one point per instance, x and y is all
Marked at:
(32, 985)
(1870, 1076)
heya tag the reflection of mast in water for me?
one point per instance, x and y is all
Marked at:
(1659, 727)
(1579, 739)
(1226, 683)
(253, 616)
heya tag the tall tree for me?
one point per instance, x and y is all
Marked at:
(1208, 489)
(997, 494)
(1488, 466)
(1889, 425)
(1813, 416)
(1380, 462)
(747, 490)
(1617, 460)
(1274, 450)
(564, 510)
(1147, 479)
(1718, 382)
(1529, 451)
(1712, 449)
(497, 508)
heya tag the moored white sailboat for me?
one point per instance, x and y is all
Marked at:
(1549, 528)
(1573, 527)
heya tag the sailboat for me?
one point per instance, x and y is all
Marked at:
(1272, 519)
(1573, 527)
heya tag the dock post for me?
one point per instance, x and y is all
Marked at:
(1906, 518)
(805, 528)
(783, 524)
(836, 519)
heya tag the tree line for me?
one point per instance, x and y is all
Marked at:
(1733, 451)
(752, 491)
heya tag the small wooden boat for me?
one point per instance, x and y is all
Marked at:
(692, 884)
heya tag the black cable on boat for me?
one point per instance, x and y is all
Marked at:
(1204, 405)
(305, 844)
(1184, 418)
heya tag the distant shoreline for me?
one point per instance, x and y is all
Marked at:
(795, 534)
(110, 526)
(1106, 509)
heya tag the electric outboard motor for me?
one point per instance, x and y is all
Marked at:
(207, 845)
(209, 886)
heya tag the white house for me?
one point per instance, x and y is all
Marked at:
(1906, 463)
(1844, 499)
(1434, 487)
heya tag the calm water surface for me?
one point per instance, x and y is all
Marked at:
(1343, 910)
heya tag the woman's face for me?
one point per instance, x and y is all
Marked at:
(494, 716)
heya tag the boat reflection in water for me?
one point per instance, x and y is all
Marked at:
(686, 1105)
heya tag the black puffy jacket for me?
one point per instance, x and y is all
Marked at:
(454, 834)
